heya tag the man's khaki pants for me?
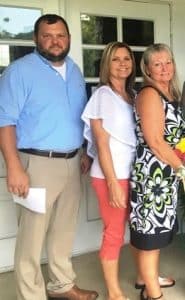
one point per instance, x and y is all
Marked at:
(61, 178)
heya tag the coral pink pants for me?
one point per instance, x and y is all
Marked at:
(114, 219)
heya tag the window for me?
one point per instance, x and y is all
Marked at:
(10, 53)
(97, 31)
(137, 32)
(12, 26)
(91, 62)
(16, 33)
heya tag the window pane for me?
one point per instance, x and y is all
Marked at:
(91, 62)
(19, 51)
(98, 30)
(17, 23)
(138, 56)
(90, 88)
(137, 86)
(138, 32)
(10, 53)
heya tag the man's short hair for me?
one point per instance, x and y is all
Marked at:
(49, 19)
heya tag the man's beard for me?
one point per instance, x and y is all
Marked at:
(51, 57)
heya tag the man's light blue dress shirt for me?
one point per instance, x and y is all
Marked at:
(45, 109)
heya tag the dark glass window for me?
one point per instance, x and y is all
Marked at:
(90, 87)
(138, 55)
(19, 51)
(91, 62)
(138, 32)
(137, 86)
(10, 53)
(98, 30)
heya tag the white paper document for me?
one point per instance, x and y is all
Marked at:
(35, 201)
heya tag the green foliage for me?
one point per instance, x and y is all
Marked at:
(21, 36)
(92, 30)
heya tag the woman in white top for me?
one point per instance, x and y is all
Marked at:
(109, 130)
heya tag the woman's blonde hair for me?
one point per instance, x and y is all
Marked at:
(145, 60)
(106, 59)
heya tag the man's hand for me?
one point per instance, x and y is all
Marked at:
(18, 182)
(85, 163)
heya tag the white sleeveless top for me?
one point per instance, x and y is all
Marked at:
(117, 119)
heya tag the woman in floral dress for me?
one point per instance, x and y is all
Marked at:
(154, 181)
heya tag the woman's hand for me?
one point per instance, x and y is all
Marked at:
(116, 195)
(85, 163)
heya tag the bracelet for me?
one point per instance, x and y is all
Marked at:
(180, 172)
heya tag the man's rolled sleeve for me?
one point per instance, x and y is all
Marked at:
(11, 96)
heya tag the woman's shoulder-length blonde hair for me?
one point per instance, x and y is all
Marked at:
(145, 60)
(106, 59)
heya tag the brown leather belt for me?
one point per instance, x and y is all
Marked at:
(49, 153)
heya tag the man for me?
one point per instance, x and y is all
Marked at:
(42, 96)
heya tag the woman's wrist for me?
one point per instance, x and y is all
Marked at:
(180, 171)
(111, 181)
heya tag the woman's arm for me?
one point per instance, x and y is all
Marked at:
(117, 198)
(151, 112)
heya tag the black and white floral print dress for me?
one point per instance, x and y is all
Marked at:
(154, 186)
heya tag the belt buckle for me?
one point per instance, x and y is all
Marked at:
(50, 153)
